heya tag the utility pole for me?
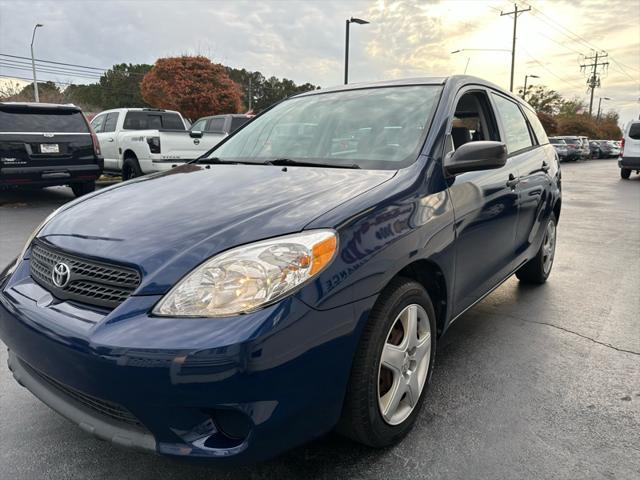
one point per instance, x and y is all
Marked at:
(594, 79)
(250, 95)
(516, 11)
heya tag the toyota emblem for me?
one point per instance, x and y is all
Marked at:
(60, 275)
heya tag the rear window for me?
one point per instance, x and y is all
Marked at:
(538, 129)
(634, 131)
(153, 121)
(216, 125)
(557, 141)
(40, 120)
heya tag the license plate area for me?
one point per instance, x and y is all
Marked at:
(49, 148)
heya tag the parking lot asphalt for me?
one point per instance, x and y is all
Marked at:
(533, 382)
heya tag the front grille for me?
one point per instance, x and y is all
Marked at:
(102, 407)
(90, 282)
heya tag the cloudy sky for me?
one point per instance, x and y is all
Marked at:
(304, 40)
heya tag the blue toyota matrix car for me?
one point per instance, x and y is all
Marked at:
(293, 280)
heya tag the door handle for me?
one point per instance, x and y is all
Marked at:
(109, 139)
(513, 181)
(545, 166)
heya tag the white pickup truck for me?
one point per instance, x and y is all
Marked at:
(137, 141)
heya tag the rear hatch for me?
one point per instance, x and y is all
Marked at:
(181, 145)
(41, 136)
(632, 141)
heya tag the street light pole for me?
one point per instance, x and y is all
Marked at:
(33, 64)
(599, 105)
(524, 92)
(346, 45)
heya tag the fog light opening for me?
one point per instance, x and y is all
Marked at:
(233, 428)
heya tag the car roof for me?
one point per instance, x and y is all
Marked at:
(48, 106)
(225, 115)
(456, 81)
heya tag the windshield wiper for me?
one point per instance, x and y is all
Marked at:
(218, 161)
(297, 163)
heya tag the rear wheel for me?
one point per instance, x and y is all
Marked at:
(625, 173)
(537, 269)
(80, 189)
(131, 169)
(392, 366)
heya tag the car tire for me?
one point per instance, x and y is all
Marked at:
(625, 173)
(362, 417)
(538, 269)
(131, 169)
(80, 189)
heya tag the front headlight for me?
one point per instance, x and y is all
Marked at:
(250, 277)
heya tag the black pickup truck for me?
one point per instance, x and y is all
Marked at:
(44, 144)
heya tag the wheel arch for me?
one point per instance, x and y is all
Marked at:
(431, 276)
(556, 209)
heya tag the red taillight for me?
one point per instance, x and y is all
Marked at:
(621, 146)
(96, 143)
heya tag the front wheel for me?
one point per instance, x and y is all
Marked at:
(625, 173)
(537, 269)
(80, 189)
(392, 366)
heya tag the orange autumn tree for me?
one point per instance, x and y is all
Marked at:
(194, 86)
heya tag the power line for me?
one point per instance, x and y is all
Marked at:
(44, 68)
(51, 61)
(54, 72)
(565, 81)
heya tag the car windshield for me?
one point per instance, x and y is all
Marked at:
(369, 128)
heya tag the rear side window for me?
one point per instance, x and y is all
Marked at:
(216, 125)
(199, 125)
(41, 120)
(110, 122)
(537, 127)
(152, 121)
(98, 123)
(634, 131)
(237, 122)
(516, 132)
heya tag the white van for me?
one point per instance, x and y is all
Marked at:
(630, 156)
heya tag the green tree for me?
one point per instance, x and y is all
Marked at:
(265, 91)
(543, 99)
(120, 86)
(572, 107)
(88, 97)
(48, 92)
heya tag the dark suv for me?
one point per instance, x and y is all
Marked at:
(46, 144)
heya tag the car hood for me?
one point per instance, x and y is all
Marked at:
(166, 224)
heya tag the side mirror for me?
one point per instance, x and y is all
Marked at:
(195, 133)
(473, 156)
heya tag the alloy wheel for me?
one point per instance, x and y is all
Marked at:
(549, 246)
(404, 364)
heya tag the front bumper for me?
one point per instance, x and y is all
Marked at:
(632, 163)
(51, 175)
(239, 389)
